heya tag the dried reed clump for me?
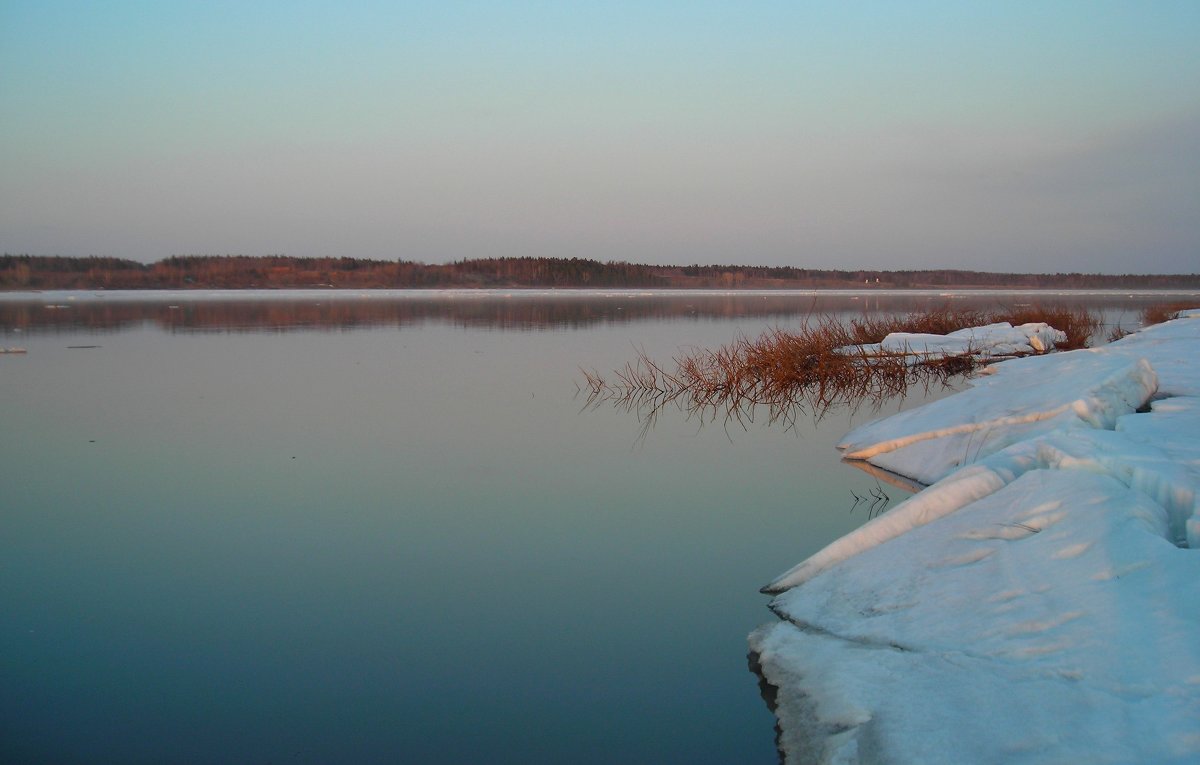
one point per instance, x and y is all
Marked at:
(1157, 314)
(795, 371)
(1079, 324)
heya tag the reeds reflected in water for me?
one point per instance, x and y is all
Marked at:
(812, 370)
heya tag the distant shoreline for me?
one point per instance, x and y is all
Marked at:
(203, 272)
(339, 293)
(531, 289)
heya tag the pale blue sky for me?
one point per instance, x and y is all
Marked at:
(1039, 136)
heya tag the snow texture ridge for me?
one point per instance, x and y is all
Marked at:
(1037, 604)
(1022, 398)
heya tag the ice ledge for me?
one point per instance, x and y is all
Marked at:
(1136, 464)
(1035, 605)
(1041, 412)
(1048, 622)
(1024, 398)
(1027, 397)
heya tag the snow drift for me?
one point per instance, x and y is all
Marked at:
(1037, 603)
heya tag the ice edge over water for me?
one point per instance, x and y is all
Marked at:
(1036, 603)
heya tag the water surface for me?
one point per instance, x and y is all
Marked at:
(310, 527)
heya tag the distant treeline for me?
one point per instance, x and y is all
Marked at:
(279, 272)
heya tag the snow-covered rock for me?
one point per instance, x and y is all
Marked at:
(1038, 603)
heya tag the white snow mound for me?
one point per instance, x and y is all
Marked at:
(1029, 396)
(990, 341)
(1038, 603)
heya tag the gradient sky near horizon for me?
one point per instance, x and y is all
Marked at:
(1010, 136)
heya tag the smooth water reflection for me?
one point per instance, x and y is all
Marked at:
(282, 310)
(400, 543)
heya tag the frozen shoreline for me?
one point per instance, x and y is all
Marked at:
(1038, 602)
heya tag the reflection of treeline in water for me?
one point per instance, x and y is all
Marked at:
(278, 271)
(347, 312)
(342, 311)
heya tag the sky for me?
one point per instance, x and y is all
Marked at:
(1005, 136)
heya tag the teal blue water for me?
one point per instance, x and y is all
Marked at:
(283, 532)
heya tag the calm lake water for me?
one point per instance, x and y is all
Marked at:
(317, 527)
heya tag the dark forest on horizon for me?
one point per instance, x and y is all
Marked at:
(36, 272)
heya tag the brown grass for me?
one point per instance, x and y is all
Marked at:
(795, 371)
(1157, 314)
(1077, 323)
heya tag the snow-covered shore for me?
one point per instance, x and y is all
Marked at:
(1039, 602)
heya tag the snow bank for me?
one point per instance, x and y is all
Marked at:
(990, 341)
(1025, 397)
(996, 636)
(1038, 604)
(1147, 464)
